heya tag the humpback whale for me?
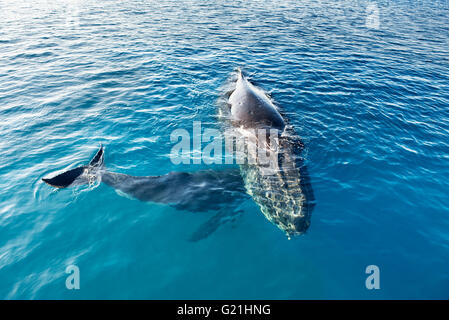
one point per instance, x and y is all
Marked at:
(203, 190)
(284, 194)
(218, 191)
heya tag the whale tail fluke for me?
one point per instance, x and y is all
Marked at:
(81, 174)
(98, 159)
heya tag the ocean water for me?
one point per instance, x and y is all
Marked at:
(365, 84)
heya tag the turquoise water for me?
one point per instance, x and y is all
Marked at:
(370, 102)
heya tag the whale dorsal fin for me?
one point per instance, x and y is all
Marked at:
(240, 75)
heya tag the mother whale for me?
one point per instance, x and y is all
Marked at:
(282, 191)
(280, 187)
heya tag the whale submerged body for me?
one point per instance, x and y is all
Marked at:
(218, 191)
(282, 191)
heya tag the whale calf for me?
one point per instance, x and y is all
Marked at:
(217, 191)
(203, 190)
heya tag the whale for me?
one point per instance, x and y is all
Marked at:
(284, 193)
(218, 191)
(203, 190)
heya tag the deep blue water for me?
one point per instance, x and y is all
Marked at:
(370, 102)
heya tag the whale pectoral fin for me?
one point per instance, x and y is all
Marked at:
(210, 226)
(65, 179)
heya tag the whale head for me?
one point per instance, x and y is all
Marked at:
(286, 212)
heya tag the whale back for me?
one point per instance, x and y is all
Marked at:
(200, 191)
(251, 107)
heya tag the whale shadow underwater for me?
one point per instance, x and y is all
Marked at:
(285, 195)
